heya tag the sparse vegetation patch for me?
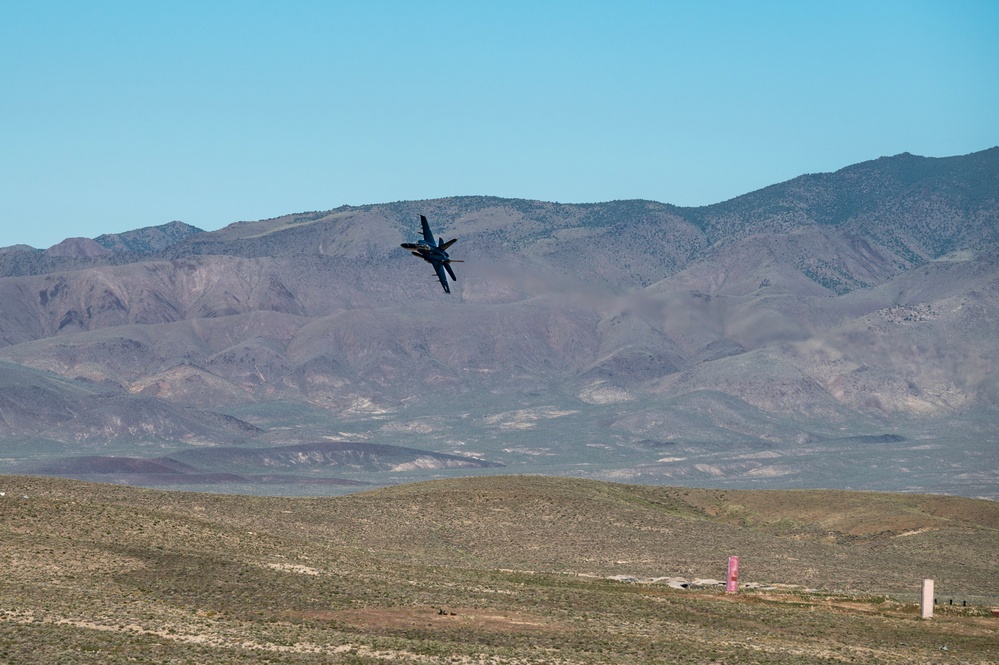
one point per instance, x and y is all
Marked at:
(490, 570)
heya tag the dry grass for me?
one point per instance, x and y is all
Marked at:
(489, 570)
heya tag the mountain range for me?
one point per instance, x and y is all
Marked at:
(836, 330)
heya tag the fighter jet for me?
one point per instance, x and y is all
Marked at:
(434, 253)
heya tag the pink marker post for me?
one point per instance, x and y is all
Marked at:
(732, 585)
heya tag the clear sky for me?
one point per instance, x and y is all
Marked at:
(119, 115)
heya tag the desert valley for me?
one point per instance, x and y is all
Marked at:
(282, 442)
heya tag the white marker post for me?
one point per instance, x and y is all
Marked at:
(732, 583)
(926, 604)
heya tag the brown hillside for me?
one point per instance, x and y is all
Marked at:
(500, 570)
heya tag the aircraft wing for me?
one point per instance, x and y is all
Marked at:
(427, 234)
(439, 268)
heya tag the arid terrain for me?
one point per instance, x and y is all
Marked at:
(498, 569)
(837, 330)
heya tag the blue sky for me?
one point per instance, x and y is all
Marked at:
(119, 115)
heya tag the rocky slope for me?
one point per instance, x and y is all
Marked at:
(781, 338)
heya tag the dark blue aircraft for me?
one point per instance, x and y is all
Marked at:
(434, 253)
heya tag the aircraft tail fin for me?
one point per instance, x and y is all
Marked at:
(445, 245)
(450, 272)
(427, 234)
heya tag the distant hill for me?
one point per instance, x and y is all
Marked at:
(79, 248)
(301, 464)
(834, 330)
(79, 253)
(148, 240)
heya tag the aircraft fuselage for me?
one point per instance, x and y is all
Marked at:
(426, 252)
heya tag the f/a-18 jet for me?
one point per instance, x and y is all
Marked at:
(434, 253)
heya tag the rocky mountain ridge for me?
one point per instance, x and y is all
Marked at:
(580, 339)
